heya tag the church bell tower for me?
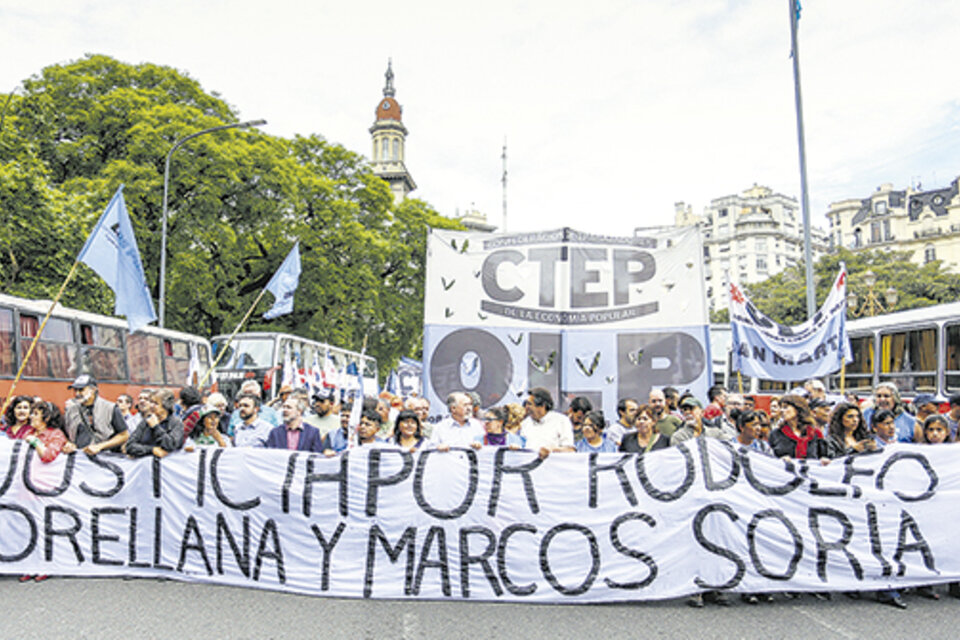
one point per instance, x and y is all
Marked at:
(389, 140)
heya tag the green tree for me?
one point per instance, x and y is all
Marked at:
(782, 296)
(238, 201)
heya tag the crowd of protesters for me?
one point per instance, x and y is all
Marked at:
(804, 423)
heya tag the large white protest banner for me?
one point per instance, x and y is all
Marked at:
(815, 348)
(491, 525)
(580, 314)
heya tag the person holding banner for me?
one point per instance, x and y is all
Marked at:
(544, 429)
(294, 434)
(460, 429)
(206, 433)
(407, 431)
(45, 431)
(251, 431)
(646, 438)
(494, 421)
(46, 437)
(797, 436)
(594, 439)
(749, 428)
(92, 423)
(161, 432)
(16, 421)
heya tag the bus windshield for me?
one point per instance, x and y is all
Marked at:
(245, 353)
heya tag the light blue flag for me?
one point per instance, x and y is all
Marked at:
(111, 251)
(283, 283)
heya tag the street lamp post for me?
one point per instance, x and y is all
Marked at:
(166, 183)
(871, 304)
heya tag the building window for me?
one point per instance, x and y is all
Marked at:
(722, 213)
(724, 229)
(875, 232)
(929, 253)
(880, 207)
(761, 264)
(396, 149)
(760, 245)
(887, 235)
(857, 238)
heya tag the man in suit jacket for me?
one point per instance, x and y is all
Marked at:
(294, 434)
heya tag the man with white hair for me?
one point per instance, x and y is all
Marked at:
(460, 429)
(421, 407)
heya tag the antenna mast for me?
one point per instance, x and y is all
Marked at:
(503, 180)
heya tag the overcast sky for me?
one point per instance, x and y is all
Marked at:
(612, 110)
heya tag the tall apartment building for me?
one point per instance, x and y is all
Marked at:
(748, 237)
(924, 223)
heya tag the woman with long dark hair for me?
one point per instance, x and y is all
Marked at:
(16, 420)
(407, 431)
(797, 435)
(848, 432)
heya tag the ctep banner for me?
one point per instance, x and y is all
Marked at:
(488, 525)
(580, 314)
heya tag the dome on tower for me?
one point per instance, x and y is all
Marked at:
(389, 109)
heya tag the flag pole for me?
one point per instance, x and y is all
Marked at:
(230, 339)
(36, 338)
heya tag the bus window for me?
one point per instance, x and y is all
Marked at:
(952, 361)
(774, 385)
(54, 355)
(859, 373)
(176, 361)
(6, 342)
(245, 353)
(143, 352)
(102, 352)
(909, 360)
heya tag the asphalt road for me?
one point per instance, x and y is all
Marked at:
(144, 608)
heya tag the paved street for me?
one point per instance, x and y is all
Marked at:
(69, 607)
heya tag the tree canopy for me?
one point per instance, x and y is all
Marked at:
(238, 201)
(782, 296)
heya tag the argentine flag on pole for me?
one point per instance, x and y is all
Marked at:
(283, 283)
(111, 251)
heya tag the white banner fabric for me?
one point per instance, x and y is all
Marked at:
(578, 313)
(764, 349)
(493, 525)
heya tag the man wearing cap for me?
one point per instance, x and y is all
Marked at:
(90, 422)
(694, 425)
(820, 409)
(322, 416)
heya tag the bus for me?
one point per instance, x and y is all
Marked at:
(259, 355)
(77, 342)
(918, 350)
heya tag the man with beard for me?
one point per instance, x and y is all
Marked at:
(252, 430)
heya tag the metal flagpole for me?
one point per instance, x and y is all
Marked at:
(804, 196)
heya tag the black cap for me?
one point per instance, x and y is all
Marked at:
(82, 382)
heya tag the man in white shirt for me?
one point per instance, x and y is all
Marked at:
(460, 429)
(627, 409)
(545, 430)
